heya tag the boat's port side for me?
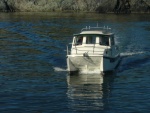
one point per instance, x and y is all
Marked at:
(110, 63)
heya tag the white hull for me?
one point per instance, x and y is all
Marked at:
(93, 51)
(91, 64)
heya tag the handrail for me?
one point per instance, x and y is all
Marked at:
(68, 52)
(104, 29)
(93, 51)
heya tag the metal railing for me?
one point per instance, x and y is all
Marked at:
(103, 29)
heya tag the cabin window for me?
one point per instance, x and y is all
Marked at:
(90, 39)
(104, 40)
(79, 40)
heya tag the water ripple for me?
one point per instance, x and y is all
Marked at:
(33, 75)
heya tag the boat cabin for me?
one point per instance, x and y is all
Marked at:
(93, 50)
(93, 39)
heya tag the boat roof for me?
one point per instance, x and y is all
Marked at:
(95, 31)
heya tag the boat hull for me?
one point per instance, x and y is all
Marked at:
(91, 64)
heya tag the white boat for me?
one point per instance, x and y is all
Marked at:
(93, 50)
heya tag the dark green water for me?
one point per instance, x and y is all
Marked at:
(33, 77)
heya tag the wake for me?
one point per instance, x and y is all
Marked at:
(58, 69)
(126, 54)
(131, 60)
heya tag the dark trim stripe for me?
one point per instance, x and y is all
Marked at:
(112, 59)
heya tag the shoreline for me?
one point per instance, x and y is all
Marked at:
(70, 11)
(101, 6)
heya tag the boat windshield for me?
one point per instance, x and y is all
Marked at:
(92, 39)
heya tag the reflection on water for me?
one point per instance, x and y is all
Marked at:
(88, 92)
(33, 63)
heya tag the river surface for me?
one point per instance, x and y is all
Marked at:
(33, 76)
